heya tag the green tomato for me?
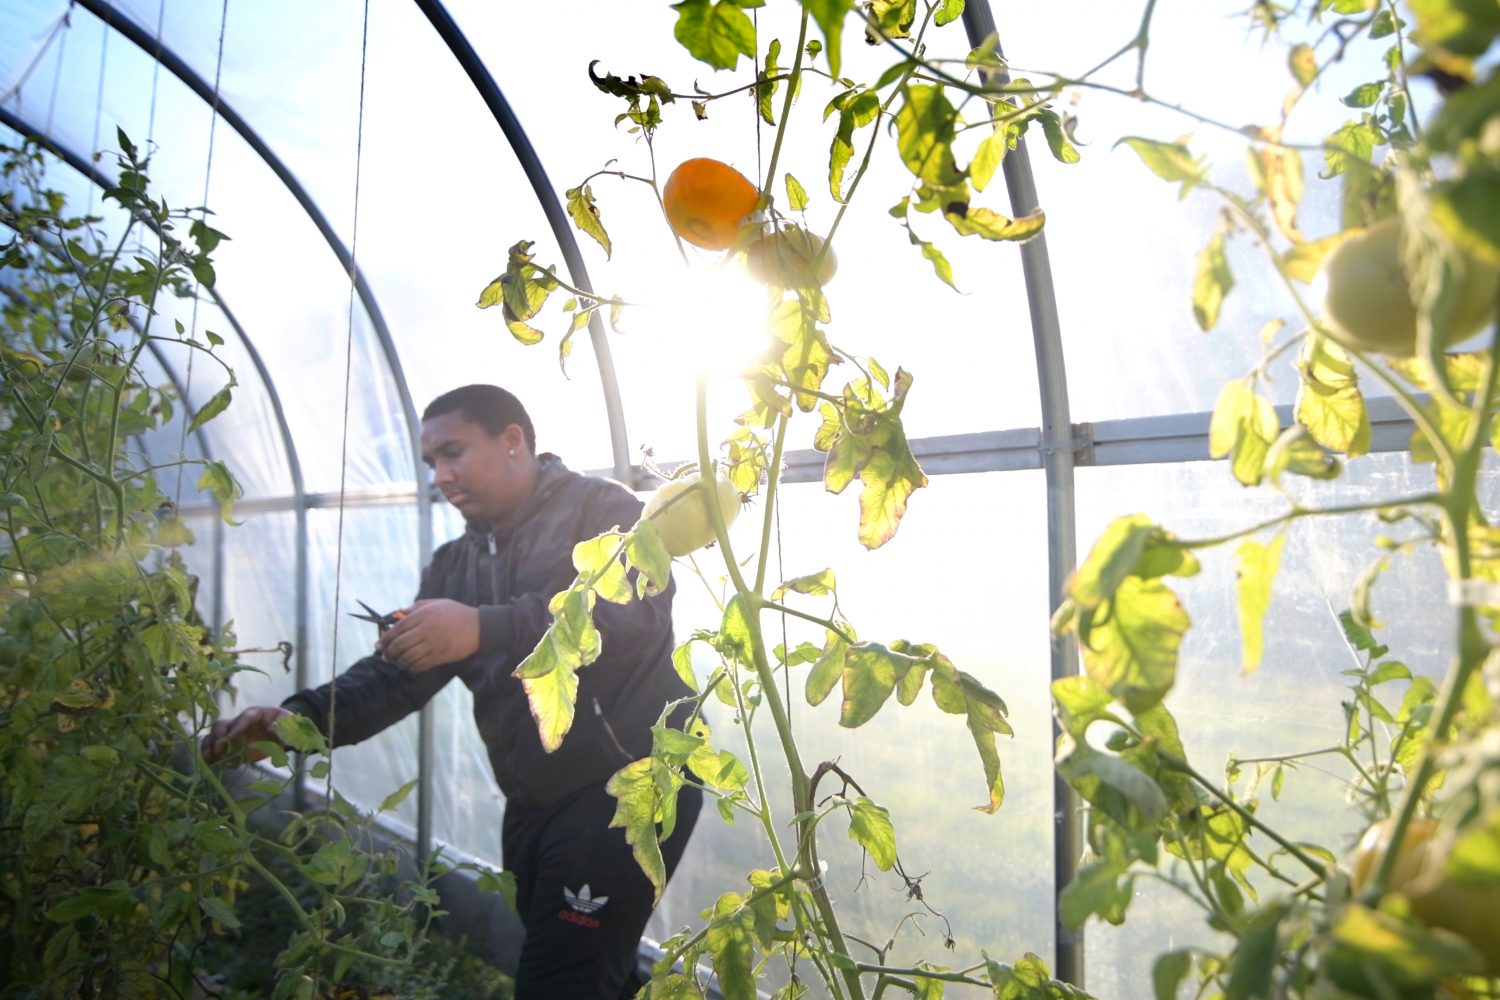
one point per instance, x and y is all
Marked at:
(1369, 302)
(785, 257)
(1437, 899)
(680, 515)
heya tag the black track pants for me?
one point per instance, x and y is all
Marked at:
(581, 895)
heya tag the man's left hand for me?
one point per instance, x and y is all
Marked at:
(430, 634)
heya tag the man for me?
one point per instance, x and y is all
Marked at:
(481, 609)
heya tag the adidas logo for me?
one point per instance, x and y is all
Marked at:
(580, 905)
(583, 901)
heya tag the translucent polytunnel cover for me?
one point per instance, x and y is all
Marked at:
(369, 197)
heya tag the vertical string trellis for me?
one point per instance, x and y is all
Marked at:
(338, 566)
(208, 170)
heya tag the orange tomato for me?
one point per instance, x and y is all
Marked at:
(706, 202)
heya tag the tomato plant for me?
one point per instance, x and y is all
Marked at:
(125, 855)
(1282, 915)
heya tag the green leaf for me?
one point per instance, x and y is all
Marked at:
(717, 32)
(1130, 649)
(806, 356)
(1079, 702)
(1363, 96)
(219, 481)
(1351, 146)
(1245, 426)
(549, 673)
(871, 673)
(1256, 957)
(299, 733)
(1099, 889)
(987, 159)
(646, 552)
(731, 940)
(796, 194)
(1303, 62)
(1116, 555)
(1475, 857)
(1168, 972)
(947, 12)
(1211, 283)
(830, 17)
(767, 83)
(991, 225)
(210, 409)
(1169, 161)
(933, 255)
(1257, 569)
(827, 671)
(394, 800)
(924, 136)
(91, 900)
(1463, 114)
(601, 556)
(637, 788)
(735, 634)
(1063, 150)
(870, 825)
(821, 582)
(871, 444)
(217, 909)
(1304, 260)
(1454, 204)
(584, 212)
(1121, 790)
(1462, 27)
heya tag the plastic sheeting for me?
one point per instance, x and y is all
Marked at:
(440, 196)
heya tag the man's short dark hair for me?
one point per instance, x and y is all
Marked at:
(489, 406)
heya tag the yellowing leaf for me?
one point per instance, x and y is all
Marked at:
(1257, 569)
(549, 673)
(638, 795)
(991, 225)
(584, 212)
(1245, 426)
(870, 825)
(1211, 283)
(1329, 403)
(731, 940)
(1130, 646)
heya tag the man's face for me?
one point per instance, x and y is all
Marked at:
(479, 473)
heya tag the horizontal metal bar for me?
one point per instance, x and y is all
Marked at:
(1181, 437)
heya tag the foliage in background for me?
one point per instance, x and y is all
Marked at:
(123, 855)
(1289, 921)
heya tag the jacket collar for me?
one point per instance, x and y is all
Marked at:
(549, 478)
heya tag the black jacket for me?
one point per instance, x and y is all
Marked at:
(510, 578)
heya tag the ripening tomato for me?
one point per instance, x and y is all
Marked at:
(1369, 304)
(1437, 899)
(684, 525)
(706, 202)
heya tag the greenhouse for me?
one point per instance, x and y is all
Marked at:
(1005, 502)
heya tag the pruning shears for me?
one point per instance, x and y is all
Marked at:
(382, 622)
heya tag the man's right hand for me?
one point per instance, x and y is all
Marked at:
(254, 725)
